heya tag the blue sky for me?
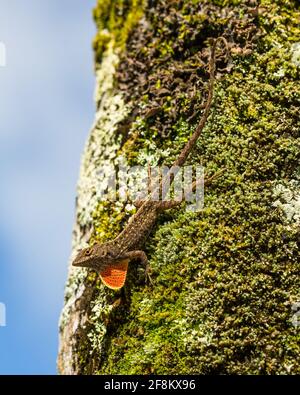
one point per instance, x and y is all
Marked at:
(46, 110)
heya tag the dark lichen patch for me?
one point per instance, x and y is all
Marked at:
(224, 278)
(165, 68)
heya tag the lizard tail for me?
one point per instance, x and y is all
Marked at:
(212, 69)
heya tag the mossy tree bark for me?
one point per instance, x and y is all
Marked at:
(225, 278)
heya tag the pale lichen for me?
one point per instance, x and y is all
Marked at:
(100, 308)
(103, 143)
(288, 200)
(296, 54)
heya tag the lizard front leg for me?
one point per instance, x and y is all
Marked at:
(142, 257)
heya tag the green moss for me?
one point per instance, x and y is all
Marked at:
(115, 19)
(225, 277)
(107, 222)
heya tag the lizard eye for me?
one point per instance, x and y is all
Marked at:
(88, 252)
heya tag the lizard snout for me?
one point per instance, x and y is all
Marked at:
(84, 258)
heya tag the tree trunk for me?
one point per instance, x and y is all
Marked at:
(226, 279)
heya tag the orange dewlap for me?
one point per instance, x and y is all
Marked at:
(114, 275)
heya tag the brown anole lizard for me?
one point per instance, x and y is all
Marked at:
(111, 259)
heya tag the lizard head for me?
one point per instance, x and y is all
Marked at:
(105, 260)
(95, 257)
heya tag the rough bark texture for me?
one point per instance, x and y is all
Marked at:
(226, 277)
